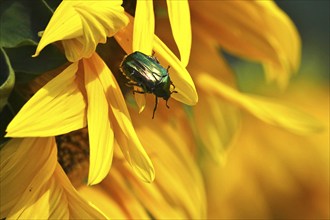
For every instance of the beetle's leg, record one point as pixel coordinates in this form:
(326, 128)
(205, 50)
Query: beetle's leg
(173, 91)
(137, 91)
(172, 84)
(168, 68)
(167, 104)
(156, 102)
(155, 58)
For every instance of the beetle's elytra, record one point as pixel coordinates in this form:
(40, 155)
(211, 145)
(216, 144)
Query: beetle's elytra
(146, 72)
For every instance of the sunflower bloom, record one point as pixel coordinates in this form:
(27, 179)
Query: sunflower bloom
(97, 82)
(41, 189)
(85, 26)
(107, 142)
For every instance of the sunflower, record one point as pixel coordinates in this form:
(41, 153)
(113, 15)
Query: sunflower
(85, 93)
(88, 94)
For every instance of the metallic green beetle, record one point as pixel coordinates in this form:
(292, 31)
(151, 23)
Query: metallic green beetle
(146, 72)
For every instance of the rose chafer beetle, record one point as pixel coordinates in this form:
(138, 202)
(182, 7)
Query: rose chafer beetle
(146, 72)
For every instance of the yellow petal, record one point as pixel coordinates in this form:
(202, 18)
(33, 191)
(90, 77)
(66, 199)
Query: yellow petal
(38, 188)
(64, 24)
(26, 165)
(124, 37)
(284, 31)
(178, 73)
(101, 135)
(101, 199)
(217, 123)
(57, 108)
(115, 185)
(77, 207)
(57, 199)
(283, 116)
(179, 16)
(265, 109)
(99, 21)
(144, 27)
(140, 100)
(267, 36)
(153, 199)
(129, 142)
(82, 25)
(175, 167)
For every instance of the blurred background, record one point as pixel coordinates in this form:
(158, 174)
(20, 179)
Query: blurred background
(270, 173)
(312, 21)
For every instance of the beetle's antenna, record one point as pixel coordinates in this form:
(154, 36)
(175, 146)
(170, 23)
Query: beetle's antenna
(168, 68)
(156, 102)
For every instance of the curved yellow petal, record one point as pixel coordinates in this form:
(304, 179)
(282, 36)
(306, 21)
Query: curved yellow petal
(50, 203)
(38, 189)
(181, 78)
(64, 24)
(217, 123)
(57, 108)
(129, 142)
(22, 175)
(175, 167)
(140, 100)
(179, 15)
(73, 48)
(101, 135)
(82, 25)
(124, 37)
(265, 109)
(283, 116)
(284, 32)
(99, 21)
(144, 27)
(77, 207)
(125, 133)
(98, 196)
(277, 46)
(115, 185)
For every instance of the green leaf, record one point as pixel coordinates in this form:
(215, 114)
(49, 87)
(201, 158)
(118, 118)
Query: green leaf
(27, 67)
(7, 78)
(21, 21)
